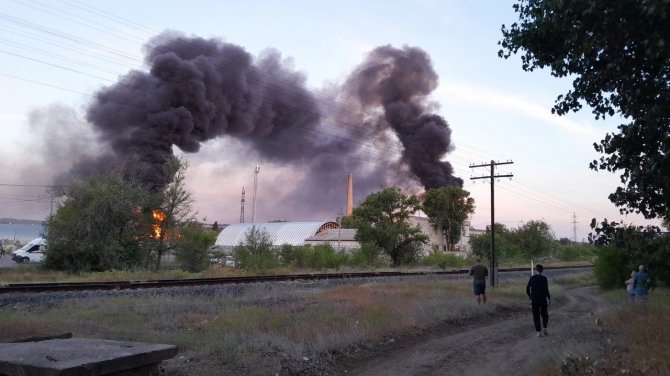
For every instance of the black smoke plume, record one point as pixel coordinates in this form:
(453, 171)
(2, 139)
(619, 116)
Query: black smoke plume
(399, 80)
(200, 89)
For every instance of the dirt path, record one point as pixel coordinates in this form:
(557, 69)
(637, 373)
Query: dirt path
(507, 346)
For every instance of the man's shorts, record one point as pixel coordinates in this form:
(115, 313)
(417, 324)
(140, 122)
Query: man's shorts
(480, 288)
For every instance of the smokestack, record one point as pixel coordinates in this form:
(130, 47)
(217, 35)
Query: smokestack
(350, 196)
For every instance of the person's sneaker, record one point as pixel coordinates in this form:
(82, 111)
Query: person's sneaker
(539, 334)
(544, 332)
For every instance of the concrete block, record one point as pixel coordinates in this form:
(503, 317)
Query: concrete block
(82, 357)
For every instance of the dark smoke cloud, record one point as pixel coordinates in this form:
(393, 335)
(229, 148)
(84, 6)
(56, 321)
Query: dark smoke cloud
(199, 89)
(399, 80)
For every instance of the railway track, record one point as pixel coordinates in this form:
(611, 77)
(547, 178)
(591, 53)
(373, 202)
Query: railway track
(162, 283)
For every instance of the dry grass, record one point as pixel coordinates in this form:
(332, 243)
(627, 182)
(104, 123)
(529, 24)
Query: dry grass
(635, 340)
(643, 329)
(270, 324)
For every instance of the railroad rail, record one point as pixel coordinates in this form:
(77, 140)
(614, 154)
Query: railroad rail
(161, 283)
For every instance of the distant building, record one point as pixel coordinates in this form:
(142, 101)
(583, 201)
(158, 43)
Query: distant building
(315, 233)
(437, 241)
(344, 239)
(291, 233)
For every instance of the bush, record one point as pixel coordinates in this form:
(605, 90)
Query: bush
(255, 254)
(577, 252)
(96, 227)
(367, 255)
(294, 256)
(191, 247)
(444, 260)
(322, 256)
(612, 267)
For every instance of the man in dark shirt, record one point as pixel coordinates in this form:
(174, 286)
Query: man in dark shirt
(479, 273)
(538, 292)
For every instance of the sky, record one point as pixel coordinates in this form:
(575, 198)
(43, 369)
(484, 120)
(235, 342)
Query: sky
(56, 55)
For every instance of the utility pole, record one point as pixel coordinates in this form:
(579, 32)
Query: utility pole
(339, 229)
(253, 202)
(242, 207)
(492, 176)
(574, 227)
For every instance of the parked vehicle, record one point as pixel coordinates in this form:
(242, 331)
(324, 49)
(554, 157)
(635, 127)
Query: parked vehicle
(31, 252)
(219, 256)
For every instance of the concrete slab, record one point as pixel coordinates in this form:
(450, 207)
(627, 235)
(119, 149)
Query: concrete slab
(82, 357)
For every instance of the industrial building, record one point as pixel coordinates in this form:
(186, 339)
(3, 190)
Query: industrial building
(280, 233)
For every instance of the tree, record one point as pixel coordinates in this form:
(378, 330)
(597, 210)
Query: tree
(215, 226)
(173, 211)
(506, 249)
(347, 221)
(255, 253)
(619, 54)
(192, 245)
(383, 219)
(99, 226)
(448, 208)
(534, 238)
(622, 248)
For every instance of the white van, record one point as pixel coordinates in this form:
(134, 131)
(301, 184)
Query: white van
(31, 252)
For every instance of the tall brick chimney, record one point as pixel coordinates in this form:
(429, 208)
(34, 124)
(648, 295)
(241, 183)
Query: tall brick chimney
(350, 196)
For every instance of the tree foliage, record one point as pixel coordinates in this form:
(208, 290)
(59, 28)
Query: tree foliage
(532, 240)
(383, 219)
(191, 247)
(623, 248)
(175, 204)
(534, 237)
(99, 226)
(619, 55)
(112, 221)
(448, 208)
(255, 253)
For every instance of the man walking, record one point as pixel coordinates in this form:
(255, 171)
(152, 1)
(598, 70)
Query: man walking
(479, 273)
(538, 292)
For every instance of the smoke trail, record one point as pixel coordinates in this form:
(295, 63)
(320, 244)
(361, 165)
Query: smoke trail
(399, 80)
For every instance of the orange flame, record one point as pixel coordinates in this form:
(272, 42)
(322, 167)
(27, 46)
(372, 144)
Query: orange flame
(159, 216)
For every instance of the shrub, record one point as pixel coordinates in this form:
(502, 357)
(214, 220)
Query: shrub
(255, 254)
(367, 255)
(294, 256)
(444, 260)
(612, 267)
(191, 247)
(323, 256)
(580, 252)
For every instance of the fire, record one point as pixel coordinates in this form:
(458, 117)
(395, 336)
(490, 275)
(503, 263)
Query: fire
(159, 216)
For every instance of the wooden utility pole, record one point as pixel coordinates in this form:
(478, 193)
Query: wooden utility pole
(492, 176)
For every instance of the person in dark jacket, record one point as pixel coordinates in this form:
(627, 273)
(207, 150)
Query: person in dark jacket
(538, 292)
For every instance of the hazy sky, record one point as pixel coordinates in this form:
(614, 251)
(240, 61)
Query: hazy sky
(57, 54)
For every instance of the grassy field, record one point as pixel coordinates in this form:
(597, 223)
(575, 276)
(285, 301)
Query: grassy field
(635, 339)
(268, 327)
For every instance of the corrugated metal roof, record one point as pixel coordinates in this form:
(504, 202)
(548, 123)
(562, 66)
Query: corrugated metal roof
(293, 233)
(345, 234)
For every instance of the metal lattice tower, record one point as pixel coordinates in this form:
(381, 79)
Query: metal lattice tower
(242, 207)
